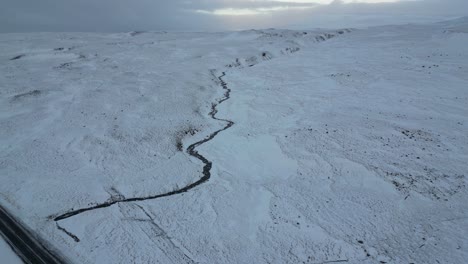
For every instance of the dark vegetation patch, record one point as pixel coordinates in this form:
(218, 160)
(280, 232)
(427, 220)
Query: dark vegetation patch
(18, 57)
(179, 144)
(135, 33)
(32, 93)
(431, 182)
(267, 55)
(181, 134)
(235, 64)
(340, 75)
(64, 65)
(291, 50)
(417, 134)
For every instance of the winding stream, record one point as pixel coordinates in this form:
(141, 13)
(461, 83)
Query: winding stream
(191, 150)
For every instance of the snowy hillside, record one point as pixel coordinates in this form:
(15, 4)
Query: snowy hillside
(7, 254)
(261, 146)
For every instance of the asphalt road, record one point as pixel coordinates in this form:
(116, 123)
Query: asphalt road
(24, 243)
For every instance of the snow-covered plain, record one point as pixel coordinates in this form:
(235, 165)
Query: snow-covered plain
(7, 255)
(348, 145)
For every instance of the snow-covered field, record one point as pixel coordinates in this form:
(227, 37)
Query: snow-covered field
(7, 255)
(347, 145)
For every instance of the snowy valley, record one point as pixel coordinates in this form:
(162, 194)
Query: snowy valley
(259, 146)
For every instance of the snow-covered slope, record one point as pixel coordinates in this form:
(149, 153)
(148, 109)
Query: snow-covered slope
(347, 145)
(7, 255)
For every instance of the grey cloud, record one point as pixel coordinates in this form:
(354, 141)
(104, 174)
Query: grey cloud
(213, 4)
(179, 15)
(101, 15)
(359, 14)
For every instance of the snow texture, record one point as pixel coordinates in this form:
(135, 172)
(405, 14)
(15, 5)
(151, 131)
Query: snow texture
(347, 145)
(7, 255)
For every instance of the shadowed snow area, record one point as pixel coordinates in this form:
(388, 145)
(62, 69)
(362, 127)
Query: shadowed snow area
(347, 145)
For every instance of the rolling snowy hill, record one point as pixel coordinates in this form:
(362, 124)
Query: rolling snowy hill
(261, 146)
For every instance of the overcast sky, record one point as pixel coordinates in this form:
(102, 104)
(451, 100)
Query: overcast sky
(217, 15)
